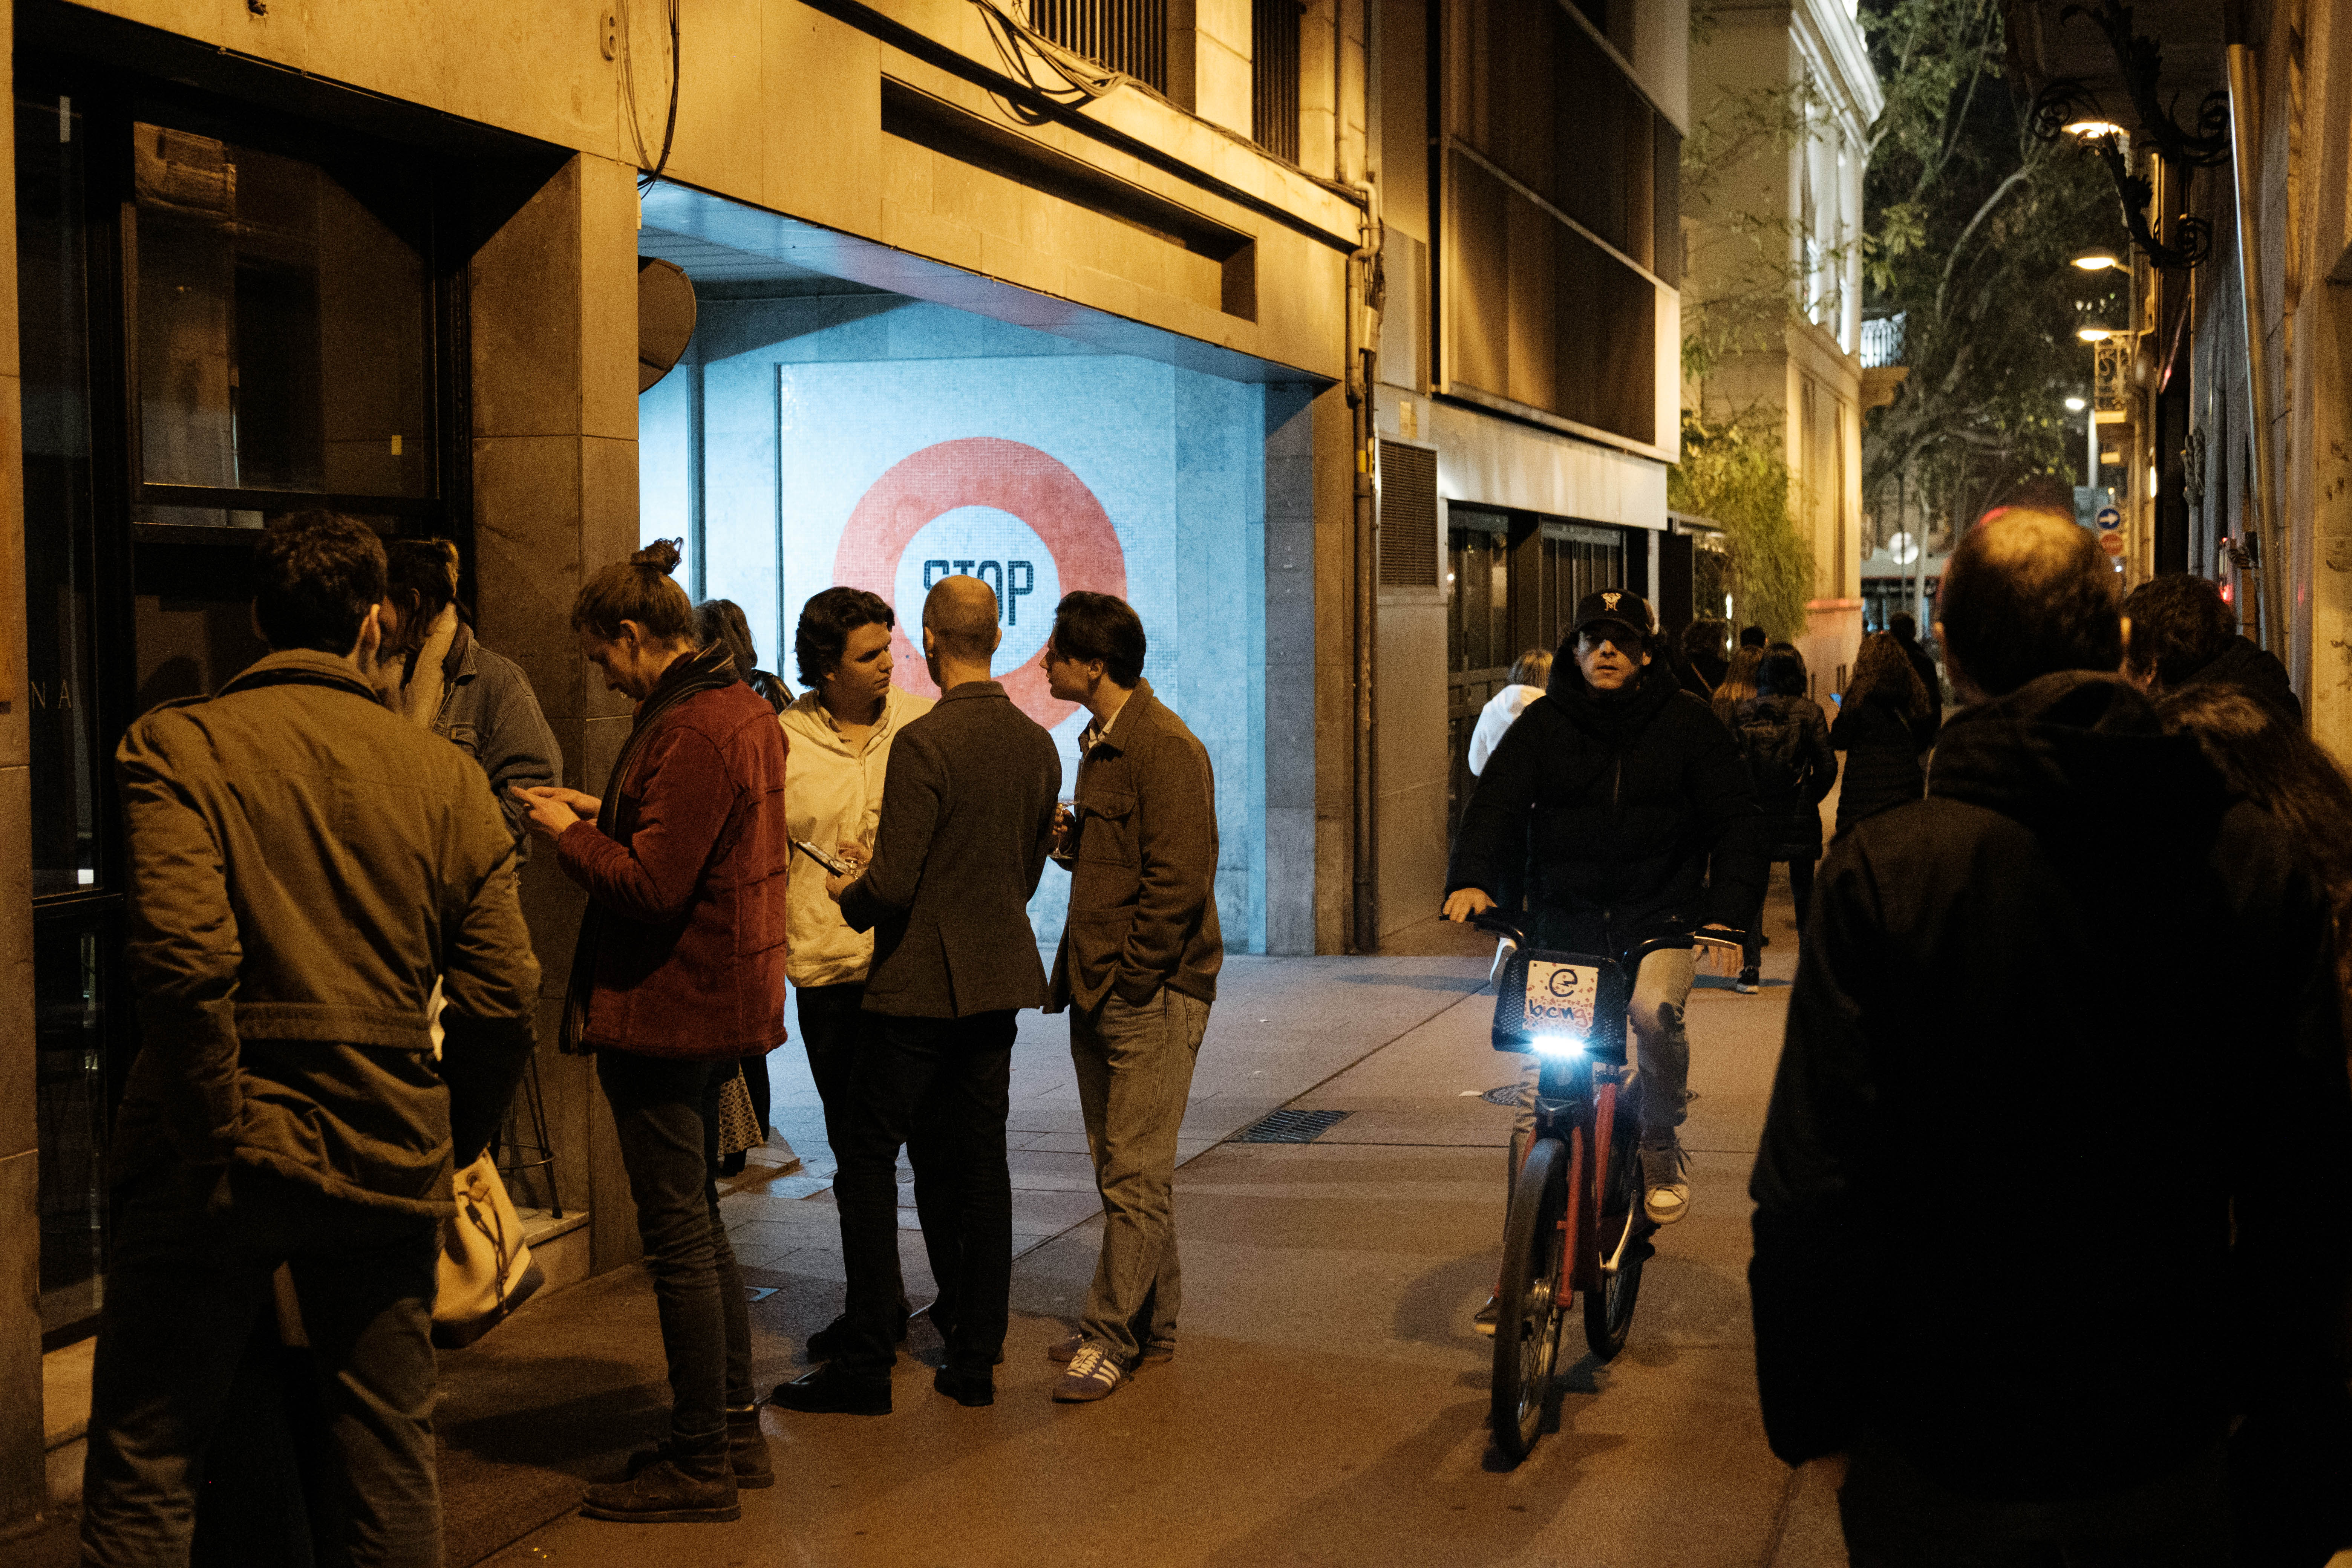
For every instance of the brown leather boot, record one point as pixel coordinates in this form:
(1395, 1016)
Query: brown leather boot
(682, 1486)
(747, 1446)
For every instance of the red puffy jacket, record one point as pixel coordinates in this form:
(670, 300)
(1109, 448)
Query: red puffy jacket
(690, 956)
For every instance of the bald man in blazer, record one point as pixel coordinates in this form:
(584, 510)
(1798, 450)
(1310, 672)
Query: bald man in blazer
(967, 823)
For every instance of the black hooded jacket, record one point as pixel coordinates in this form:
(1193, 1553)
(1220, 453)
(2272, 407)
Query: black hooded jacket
(1616, 804)
(2056, 1028)
(2254, 670)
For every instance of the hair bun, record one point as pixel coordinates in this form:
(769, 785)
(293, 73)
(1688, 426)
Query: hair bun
(661, 554)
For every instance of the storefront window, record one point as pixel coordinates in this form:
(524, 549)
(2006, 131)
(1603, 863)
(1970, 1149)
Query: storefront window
(51, 290)
(283, 321)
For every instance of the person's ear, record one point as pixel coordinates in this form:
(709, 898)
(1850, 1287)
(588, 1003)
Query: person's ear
(370, 637)
(931, 643)
(995, 637)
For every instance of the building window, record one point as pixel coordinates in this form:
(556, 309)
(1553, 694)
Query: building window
(1562, 220)
(1274, 77)
(1128, 35)
(283, 310)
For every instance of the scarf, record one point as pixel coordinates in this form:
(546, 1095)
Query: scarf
(710, 670)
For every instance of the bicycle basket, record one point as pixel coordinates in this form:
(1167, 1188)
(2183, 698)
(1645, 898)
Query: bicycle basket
(1561, 995)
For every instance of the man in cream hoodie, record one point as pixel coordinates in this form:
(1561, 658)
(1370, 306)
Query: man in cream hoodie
(839, 732)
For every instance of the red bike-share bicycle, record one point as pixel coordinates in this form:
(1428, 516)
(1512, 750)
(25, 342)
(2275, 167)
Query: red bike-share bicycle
(1575, 1225)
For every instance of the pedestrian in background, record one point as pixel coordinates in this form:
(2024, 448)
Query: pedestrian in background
(1738, 684)
(722, 621)
(2289, 1460)
(1883, 723)
(1785, 741)
(2197, 1136)
(967, 821)
(841, 729)
(434, 672)
(2180, 634)
(304, 865)
(1704, 648)
(1529, 672)
(1137, 972)
(1904, 627)
(679, 975)
(1752, 637)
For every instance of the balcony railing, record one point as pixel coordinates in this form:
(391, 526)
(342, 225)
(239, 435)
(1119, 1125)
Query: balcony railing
(1882, 342)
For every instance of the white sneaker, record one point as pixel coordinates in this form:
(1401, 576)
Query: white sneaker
(1665, 1190)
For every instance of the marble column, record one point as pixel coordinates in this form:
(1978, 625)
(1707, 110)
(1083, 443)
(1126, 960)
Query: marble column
(554, 326)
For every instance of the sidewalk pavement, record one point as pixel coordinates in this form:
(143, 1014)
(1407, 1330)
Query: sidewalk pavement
(1328, 1403)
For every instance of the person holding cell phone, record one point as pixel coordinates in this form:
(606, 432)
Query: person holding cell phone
(840, 730)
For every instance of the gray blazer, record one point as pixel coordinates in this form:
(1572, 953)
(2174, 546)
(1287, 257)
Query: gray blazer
(966, 820)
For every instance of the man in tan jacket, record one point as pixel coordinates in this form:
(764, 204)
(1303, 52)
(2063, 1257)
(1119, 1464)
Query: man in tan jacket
(1137, 970)
(304, 865)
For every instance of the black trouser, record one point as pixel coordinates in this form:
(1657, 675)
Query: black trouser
(666, 1115)
(189, 1275)
(945, 1084)
(832, 1022)
(1801, 884)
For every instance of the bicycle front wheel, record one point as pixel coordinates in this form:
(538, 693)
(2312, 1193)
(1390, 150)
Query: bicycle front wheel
(1526, 1327)
(1622, 1237)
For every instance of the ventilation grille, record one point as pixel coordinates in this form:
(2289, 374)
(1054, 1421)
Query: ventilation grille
(1290, 1127)
(1129, 35)
(1408, 517)
(1274, 71)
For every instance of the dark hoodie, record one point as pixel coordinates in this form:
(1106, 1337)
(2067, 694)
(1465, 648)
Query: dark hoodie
(2255, 671)
(2050, 1025)
(1616, 804)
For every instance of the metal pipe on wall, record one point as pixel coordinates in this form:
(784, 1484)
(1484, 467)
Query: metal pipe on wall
(1363, 328)
(2245, 153)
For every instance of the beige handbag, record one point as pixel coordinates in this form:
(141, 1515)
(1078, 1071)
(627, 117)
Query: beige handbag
(486, 1271)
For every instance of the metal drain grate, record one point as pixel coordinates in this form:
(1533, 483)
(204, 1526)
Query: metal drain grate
(1290, 1127)
(1507, 1095)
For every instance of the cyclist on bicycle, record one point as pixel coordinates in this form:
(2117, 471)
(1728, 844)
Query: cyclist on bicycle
(1626, 801)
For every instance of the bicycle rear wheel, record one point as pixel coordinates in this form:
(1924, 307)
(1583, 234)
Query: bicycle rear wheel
(1526, 1327)
(1609, 1311)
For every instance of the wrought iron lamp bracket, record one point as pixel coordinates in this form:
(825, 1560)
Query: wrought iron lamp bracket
(2068, 99)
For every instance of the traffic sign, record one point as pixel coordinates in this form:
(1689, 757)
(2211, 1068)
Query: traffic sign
(2113, 543)
(2110, 518)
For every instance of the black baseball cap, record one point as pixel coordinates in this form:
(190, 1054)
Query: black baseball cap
(1627, 612)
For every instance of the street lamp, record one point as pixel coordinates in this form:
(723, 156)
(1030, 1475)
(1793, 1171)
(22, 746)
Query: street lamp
(2092, 129)
(2098, 260)
(2092, 334)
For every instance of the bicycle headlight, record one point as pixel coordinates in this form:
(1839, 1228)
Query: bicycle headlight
(1556, 1045)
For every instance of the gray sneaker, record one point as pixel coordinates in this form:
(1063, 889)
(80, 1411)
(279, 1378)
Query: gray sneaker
(1093, 1375)
(1666, 1184)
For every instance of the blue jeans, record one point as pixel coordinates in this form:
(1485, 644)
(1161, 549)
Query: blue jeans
(193, 1259)
(666, 1113)
(1135, 1072)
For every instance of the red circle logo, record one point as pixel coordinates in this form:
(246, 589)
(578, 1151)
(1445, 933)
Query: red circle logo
(980, 470)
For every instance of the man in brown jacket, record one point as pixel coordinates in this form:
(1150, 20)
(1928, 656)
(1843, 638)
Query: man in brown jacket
(304, 865)
(1137, 969)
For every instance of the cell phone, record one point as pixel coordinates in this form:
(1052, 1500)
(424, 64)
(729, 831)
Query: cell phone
(830, 862)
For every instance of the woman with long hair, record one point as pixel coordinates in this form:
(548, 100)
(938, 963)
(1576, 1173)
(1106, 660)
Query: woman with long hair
(1884, 723)
(1738, 685)
(723, 621)
(679, 975)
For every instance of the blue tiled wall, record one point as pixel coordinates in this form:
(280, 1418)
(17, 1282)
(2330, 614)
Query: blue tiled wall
(807, 401)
